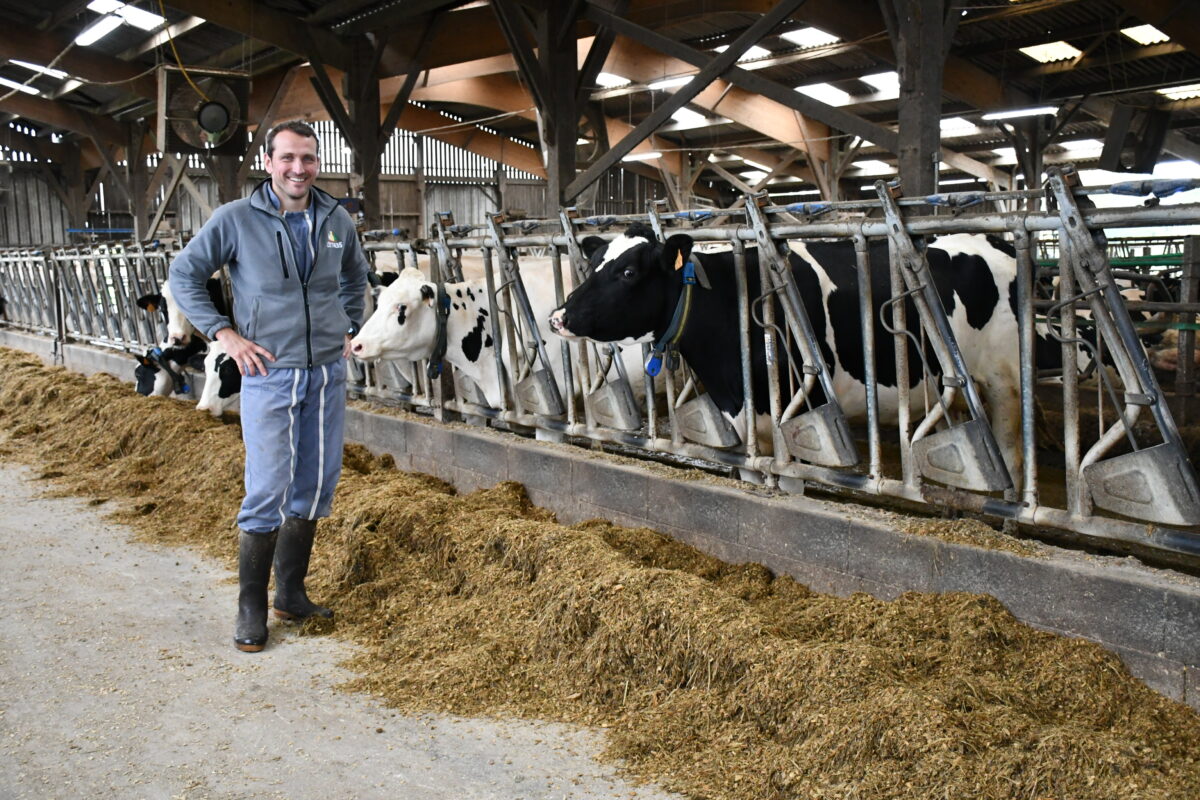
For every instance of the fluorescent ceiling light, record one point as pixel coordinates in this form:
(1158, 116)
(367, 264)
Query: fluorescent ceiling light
(646, 155)
(872, 166)
(20, 87)
(98, 30)
(686, 118)
(958, 126)
(1054, 51)
(1021, 112)
(1181, 92)
(53, 73)
(139, 18)
(611, 81)
(1146, 35)
(886, 82)
(581, 140)
(827, 94)
(809, 37)
(669, 83)
(957, 181)
(755, 164)
(752, 175)
(752, 52)
(134, 16)
(797, 193)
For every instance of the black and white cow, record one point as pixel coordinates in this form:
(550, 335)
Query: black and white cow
(634, 286)
(404, 327)
(222, 382)
(183, 349)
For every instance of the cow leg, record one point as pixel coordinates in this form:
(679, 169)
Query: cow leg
(1004, 410)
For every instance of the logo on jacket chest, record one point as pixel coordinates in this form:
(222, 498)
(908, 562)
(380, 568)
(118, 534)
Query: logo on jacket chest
(332, 241)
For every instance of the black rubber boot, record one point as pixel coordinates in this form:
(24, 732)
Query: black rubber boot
(254, 570)
(291, 568)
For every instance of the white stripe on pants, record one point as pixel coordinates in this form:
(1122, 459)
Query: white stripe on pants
(292, 426)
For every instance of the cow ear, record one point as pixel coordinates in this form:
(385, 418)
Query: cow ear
(150, 302)
(591, 244)
(676, 251)
(427, 293)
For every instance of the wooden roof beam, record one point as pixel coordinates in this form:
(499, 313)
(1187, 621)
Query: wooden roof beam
(64, 117)
(29, 44)
(259, 21)
(505, 93)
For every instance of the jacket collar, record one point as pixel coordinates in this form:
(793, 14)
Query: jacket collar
(323, 202)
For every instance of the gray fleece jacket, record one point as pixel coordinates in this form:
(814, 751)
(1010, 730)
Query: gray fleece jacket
(303, 324)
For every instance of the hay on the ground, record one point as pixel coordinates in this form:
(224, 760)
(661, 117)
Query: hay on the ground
(715, 680)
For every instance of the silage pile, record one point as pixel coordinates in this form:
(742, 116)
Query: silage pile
(714, 680)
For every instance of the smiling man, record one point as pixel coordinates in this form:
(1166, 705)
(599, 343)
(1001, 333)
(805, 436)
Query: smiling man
(299, 279)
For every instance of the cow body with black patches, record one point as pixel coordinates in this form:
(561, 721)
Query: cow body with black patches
(633, 288)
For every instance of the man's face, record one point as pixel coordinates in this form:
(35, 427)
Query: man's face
(293, 167)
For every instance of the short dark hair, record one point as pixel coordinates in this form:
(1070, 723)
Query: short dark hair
(296, 126)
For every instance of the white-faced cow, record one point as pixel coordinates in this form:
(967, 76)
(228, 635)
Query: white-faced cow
(404, 327)
(633, 288)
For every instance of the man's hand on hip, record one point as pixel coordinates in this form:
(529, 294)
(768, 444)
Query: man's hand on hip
(248, 355)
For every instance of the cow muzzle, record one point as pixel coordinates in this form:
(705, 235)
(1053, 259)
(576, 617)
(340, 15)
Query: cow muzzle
(558, 323)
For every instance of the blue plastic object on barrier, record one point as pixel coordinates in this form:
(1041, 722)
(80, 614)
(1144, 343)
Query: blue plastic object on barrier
(694, 216)
(808, 209)
(1163, 187)
(955, 200)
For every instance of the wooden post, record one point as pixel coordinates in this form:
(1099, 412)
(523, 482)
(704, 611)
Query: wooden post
(558, 60)
(921, 31)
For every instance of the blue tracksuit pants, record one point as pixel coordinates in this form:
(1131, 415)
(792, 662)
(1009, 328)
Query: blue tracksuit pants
(292, 426)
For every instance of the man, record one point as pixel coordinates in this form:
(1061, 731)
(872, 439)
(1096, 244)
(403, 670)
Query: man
(299, 278)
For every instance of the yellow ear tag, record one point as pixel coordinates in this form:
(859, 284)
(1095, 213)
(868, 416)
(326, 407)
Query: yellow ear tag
(152, 308)
(679, 261)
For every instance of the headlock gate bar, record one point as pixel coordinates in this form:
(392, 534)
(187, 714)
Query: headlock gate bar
(1124, 473)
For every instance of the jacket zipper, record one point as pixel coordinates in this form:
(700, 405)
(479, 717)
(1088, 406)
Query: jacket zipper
(307, 321)
(282, 258)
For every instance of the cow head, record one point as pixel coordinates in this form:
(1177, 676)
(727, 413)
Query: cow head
(404, 325)
(179, 330)
(222, 382)
(630, 289)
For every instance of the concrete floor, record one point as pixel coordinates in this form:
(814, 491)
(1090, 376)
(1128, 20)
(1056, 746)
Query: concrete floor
(118, 679)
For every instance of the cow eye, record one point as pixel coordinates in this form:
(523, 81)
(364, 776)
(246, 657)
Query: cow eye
(628, 272)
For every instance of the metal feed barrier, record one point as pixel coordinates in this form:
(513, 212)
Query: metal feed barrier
(86, 294)
(941, 454)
